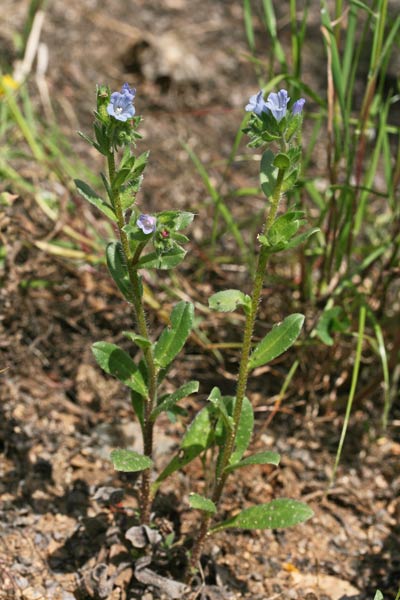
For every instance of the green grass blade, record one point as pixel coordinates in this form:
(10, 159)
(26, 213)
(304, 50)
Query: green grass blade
(332, 47)
(220, 207)
(248, 24)
(270, 24)
(354, 381)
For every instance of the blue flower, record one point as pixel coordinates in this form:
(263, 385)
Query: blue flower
(256, 104)
(277, 104)
(147, 223)
(126, 88)
(121, 105)
(297, 107)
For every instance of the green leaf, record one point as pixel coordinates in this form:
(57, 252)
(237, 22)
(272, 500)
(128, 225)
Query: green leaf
(268, 173)
(219, 402)
(175, 220)
(116, 265)
(290, 180)
(173, 338)
(285, 226)
(137, 339)
(197, 438)
(244, 431)
(115, 361)
(171, 399)
(167, 260)
(277, 341)
(130, 461)
(299, 239)
(245, 427)
(137, 402)
(91, 196)
(332, 320)
(282, 161)
(378, 595)
(200, 503)
(229, 301)
(261, 458)
(276, 514)
(120, 177)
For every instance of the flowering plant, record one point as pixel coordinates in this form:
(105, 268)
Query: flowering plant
(154, 241)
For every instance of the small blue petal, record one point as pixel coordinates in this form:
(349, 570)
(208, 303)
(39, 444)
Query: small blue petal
(277, 104)
(147, 223)
(127, 89)
(256, 104)
(297, 107)
(121, 104)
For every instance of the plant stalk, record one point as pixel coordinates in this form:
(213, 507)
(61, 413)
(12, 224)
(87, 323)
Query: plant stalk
(242, 376)
(148, 353)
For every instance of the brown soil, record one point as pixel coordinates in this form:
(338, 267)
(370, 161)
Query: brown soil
(60, 416)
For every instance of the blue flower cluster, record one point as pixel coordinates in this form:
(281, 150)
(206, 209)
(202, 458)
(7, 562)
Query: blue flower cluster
(276, 104)
(121, 105)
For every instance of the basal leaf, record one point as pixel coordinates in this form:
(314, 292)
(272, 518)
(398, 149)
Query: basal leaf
(174, 337)
(277, 341)
(91, 196)
(276, 514)
(129, 461)
(261, 458)
(200, 503)
(229, 300)
(115, 361)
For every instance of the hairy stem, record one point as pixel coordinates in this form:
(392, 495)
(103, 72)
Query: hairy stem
(242, 376)
(140, 317)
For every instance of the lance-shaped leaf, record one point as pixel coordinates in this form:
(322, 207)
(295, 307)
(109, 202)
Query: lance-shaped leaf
(197, 438)
(277, 341)
(200, 503)
(129, 461)
(137, 339)
(91, 196)
(261, 458)
(174, 337)
(220, 404)
(244, 431)
(268, 173)
(229, 301)
(245, 427)
(277, 514)
(118, 269)
(138, 406)
(171, 399)
(300, 239)
(115, 361)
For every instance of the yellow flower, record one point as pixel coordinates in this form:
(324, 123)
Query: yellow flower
(7, 83)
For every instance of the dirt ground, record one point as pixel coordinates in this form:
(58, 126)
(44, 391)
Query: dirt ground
(60, 416)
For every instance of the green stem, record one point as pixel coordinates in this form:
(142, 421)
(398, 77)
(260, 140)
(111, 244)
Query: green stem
(148, 352)
(242, 376)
